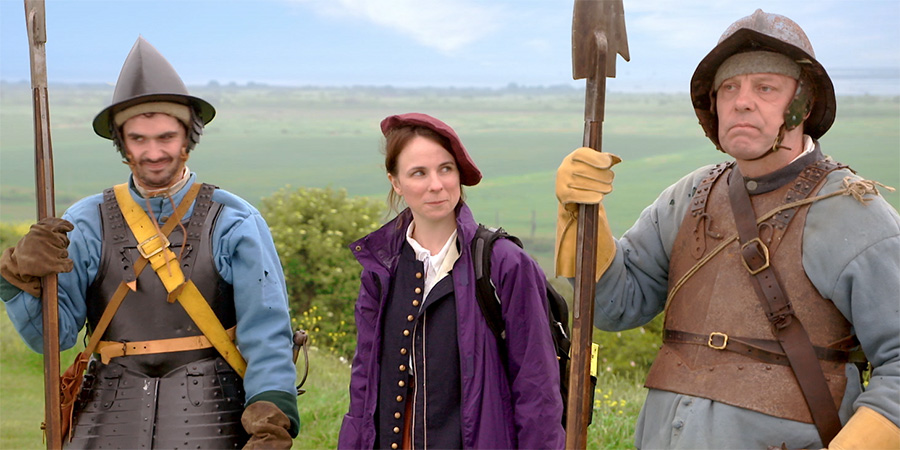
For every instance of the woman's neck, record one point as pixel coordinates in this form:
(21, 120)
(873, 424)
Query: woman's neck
(433, 235)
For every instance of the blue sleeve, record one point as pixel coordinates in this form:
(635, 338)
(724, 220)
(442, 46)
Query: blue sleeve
(24, 310)
(246, 258)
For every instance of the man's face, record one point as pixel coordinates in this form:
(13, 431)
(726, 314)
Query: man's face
(751, 111)
(155, 145)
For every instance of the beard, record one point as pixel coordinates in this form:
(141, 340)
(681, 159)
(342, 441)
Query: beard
(160, 173)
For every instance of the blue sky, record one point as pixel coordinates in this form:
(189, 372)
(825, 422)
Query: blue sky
(410, 43)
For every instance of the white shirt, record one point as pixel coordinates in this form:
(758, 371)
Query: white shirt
(436, 266)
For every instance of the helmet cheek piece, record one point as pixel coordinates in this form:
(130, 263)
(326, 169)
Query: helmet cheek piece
(799, 107)
(194, 131)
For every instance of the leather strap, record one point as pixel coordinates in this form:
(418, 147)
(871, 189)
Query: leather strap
(114, 349)
(764, 350)
(786, 327)
(155, 248)
(123, 288)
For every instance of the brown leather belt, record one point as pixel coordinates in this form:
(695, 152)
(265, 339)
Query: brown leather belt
(114, 349)
(760, 349)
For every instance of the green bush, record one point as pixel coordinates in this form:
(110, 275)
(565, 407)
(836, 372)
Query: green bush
(312, 228)
(628, 353)
(10, 233)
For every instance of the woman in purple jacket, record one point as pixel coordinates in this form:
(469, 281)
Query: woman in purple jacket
(427, 371)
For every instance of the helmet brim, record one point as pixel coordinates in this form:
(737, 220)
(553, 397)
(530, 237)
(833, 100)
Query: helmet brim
(824, 107)
(204, 110)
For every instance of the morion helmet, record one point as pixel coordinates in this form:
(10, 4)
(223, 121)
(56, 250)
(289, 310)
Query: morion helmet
(148, 78)
(767, 32)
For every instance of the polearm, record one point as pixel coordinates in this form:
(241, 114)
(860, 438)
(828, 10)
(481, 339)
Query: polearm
(598, 34)
(35, 20)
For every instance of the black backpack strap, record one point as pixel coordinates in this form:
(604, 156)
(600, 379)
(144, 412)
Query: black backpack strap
(485, 292)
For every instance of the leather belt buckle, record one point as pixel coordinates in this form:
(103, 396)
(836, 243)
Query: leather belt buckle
(756, 253)
(164, 244)
(712, 338)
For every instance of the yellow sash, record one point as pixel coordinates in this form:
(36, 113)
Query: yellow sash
(155, 248)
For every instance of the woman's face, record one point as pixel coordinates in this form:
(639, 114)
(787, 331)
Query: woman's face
(428, 180)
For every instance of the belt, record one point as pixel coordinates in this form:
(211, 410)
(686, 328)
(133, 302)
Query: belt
(113, 349)
(760, 349)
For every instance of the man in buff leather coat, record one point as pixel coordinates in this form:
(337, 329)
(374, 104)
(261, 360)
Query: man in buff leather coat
(720, 379)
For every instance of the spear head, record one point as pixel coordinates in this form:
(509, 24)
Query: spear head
(591, 19)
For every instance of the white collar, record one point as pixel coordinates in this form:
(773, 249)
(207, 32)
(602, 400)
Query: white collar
(423, 254)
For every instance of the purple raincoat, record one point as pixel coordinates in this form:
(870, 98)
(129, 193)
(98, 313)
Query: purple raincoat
(523, 410)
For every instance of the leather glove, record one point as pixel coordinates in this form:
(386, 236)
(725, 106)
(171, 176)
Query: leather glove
(867, 429)
(268, 426)
(41, 252)
(585, 176)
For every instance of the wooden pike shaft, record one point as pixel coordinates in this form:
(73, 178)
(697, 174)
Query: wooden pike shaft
(580, 396)
(43, 167)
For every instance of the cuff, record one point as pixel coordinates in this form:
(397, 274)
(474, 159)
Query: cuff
(867, 429)
(286, 402)
(8, 290)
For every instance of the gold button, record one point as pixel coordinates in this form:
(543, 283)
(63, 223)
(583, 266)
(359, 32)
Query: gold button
(410, 318)
(402, 368)
(415, 303)
(396, 430)
(418, 290)
(418, 274)
(402, 351)
(397, 415)
(395, 446)
(406, 332)
(401, 383)
(399, 398)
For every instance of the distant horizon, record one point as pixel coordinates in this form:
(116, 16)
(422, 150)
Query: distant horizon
(424, 43)
(886, 85)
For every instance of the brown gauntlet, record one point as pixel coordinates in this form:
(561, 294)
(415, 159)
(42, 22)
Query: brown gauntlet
(41, 252)
(267, 425)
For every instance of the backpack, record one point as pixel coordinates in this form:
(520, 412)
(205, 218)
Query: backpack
(557, 308)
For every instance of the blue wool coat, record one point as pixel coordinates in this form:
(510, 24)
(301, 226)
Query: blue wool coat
(521, 410)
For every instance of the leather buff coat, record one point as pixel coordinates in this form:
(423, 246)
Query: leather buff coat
(521, 410)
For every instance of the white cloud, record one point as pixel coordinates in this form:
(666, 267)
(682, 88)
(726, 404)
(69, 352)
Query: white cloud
(446, 25)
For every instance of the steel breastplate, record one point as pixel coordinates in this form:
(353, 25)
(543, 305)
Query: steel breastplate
(198, 405)
(145, 314)
(720, 299)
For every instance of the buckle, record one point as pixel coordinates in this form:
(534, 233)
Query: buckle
(162, 246)
(765, 253)
(714, 335)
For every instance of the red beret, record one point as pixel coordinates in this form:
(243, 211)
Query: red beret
(469, 175)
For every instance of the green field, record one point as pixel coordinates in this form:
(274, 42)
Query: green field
(265, 138)
(617, 400)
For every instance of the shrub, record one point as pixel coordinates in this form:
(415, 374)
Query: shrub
(312, 228)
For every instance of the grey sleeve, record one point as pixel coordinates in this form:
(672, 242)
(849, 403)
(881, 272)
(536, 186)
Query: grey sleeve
(851, 253)
(633, 290)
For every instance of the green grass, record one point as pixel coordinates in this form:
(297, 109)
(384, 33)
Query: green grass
(265, 138)
(617, 400)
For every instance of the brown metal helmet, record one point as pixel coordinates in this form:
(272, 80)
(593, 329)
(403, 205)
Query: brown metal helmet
(763, 31)
(148, 77)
